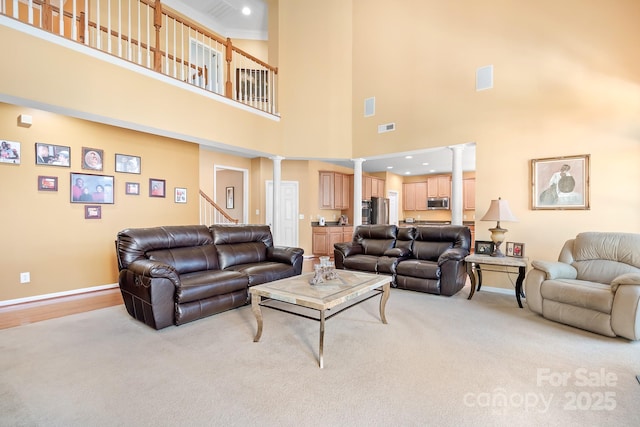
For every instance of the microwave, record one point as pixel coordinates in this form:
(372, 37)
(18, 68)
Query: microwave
(437, 203)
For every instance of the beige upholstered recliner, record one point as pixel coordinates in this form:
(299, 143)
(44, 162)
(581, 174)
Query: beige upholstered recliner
(594, 285)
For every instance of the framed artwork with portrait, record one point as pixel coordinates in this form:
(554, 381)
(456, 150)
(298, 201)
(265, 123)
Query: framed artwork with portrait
(132, 188)
(92, 158)
(10, 152)
(560, 182)
(157, 187)
(53, 155)
(128, 164)
(47, 183)
(180, 195)
(86, 188)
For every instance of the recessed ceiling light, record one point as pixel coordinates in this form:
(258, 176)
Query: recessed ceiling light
(246, 11)
(425, 164)
(432, 170)
(408, 157)
(389, 167)
(407, 173)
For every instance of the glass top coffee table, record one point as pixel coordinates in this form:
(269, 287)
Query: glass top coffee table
(328, 298)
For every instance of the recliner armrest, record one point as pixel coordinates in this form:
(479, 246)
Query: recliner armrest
(397, 252)
(348, 248)
(452, 254)
(284, 254)
(149, 268)
(625, 279)
(555, 269)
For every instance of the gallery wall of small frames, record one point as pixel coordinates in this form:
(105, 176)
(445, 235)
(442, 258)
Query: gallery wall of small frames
(92, 189)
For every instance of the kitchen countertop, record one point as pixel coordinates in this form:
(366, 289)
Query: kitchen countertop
(329, 224)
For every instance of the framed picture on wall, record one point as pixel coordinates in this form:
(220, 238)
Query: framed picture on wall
(86, 188)
(92, 158)
(10, 152)
(128, 164)
(92, 212)
(560, 182)
(53, 155)
(157, 187)
(180, 195)
(230, 191)
(132, 188)
(47, 183)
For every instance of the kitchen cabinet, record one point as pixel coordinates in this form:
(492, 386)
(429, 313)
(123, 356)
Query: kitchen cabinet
(469, 193)
(334, 191)
(324, 238)
(372, 187)
(439, 186)
(414, 196)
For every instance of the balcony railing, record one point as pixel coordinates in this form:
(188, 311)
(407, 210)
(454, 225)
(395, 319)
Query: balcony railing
(155, 37)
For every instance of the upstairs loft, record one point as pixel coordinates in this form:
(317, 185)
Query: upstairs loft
(149, 35)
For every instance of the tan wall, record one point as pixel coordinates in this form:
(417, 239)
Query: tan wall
(46, 235)
(566, 82)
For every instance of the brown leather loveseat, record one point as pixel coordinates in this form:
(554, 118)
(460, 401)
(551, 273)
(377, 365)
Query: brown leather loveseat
(422, 258)
(176, 274)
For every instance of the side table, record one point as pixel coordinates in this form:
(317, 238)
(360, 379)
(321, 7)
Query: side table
(475, 261)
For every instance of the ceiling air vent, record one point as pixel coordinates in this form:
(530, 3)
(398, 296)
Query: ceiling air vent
(389, 127)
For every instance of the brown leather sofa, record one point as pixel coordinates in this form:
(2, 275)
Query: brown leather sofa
(176, 274)
(422, 258)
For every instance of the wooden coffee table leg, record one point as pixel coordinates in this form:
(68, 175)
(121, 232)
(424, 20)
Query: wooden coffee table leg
(383, 301)
(255, 307)
(321, 338)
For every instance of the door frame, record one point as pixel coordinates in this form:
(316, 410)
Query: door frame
(245, 188)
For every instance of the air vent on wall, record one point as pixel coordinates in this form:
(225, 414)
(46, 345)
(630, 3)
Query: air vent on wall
(389, 127)
(484, 78)
(370, 106)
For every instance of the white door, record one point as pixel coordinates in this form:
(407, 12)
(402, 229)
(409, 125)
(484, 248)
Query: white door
(393, 207)
(203, 56)
(288, 233)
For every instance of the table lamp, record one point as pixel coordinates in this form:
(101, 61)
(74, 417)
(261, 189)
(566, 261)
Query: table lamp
(498, 211)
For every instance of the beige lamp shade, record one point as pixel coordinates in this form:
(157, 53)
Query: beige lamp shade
(498, 211)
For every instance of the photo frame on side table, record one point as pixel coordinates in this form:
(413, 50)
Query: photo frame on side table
(515, 249)
(483, 247)
(86, 188)
(157, 187)
(560, 182)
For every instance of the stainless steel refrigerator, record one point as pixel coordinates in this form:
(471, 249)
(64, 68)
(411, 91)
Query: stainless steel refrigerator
(379, 210)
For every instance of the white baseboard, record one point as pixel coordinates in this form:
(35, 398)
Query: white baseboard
(57, 294)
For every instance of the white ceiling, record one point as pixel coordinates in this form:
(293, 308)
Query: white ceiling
(226, 18)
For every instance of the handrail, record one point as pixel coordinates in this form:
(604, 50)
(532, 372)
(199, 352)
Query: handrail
(218, 208)
(160, 40)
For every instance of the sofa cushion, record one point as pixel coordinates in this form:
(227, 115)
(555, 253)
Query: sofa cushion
(429, 251)
(241, 253)
(362, 262)
(620, 247)
(204, 284)
(189, 259)
(264, 272)
(419, 268)
(601, 270)
(579, 293)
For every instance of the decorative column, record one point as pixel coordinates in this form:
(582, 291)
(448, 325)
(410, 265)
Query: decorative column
(357, 191)
(456, 185)
(276, 227)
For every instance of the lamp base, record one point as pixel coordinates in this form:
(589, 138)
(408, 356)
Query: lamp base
(497, 236)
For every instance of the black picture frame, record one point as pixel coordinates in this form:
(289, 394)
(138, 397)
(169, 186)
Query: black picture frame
(47, 183)
(483, 247)
(132, 188)
(126, 163)
(92, 158)
(92, 188)
(53, 155)
(92, 212)
(157, 187)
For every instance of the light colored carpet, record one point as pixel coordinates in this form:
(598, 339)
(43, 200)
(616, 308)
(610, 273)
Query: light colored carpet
(440, 362)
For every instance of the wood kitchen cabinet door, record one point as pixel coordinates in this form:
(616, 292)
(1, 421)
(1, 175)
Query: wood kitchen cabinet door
(326, 190)
(409, 197)
(469, 192)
